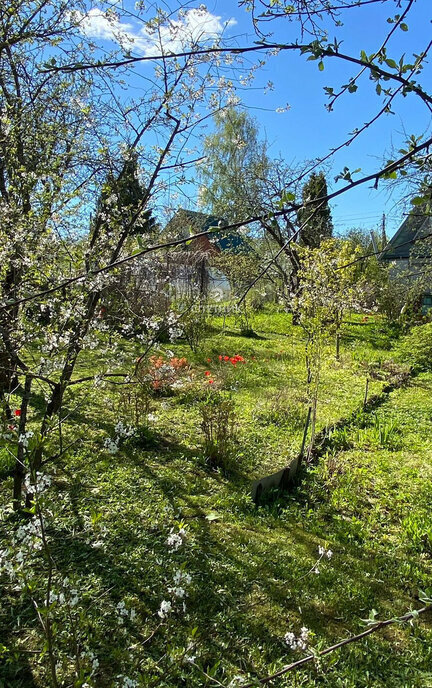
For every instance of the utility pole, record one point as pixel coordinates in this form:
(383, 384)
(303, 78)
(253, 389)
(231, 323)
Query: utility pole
(383, 231)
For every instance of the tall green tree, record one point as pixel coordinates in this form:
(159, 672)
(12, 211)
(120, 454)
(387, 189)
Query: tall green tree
(233, 176)
(316, 218)
(123, 200)
(239, 180)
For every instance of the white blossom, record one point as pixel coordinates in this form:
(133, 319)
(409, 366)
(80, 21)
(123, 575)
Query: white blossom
(298, 643)
(165, 609)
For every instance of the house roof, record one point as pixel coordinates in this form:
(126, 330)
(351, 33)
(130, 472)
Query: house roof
(415, 225)
(187, 222)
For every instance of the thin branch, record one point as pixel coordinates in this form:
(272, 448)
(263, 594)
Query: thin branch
(376, 54)
(310, 658)
(378, 253)
(283, 248)
(319, 51)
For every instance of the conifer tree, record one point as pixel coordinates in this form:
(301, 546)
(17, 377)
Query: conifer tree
(316, 217)
(124, 199)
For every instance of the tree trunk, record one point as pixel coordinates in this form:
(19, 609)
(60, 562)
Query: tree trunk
(19, 470)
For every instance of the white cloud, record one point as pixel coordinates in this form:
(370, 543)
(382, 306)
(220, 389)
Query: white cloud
(192, 27)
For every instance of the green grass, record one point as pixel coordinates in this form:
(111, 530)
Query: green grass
(368, 499)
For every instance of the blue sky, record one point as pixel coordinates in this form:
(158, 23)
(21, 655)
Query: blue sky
(306, 130)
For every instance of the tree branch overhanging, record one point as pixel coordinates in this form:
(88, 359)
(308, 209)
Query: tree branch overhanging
(291, 208)
(410, 616)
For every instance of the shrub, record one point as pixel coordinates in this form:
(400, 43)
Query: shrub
(134, 402)
(218, 423)
(195, 326)
(339, 439)
(416, 348)
(145, 438)
(160, 375)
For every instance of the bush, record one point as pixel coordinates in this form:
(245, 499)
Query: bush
(219, 427)
(416, 348)
(194, 323)
(145, 438)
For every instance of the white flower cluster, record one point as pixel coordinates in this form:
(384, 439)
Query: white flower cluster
(73, 601)
(26, 534)
(300, 643)
(175, 540)
(111, 445)
(283, 109)
(67, 595)
(91, 657)
(122, 432)
(323, 552)
(126, 682)
(24, 438)
(37, 483)
(180, 579)
(178, 592)
(124, 613)
(26, 540)
(165, 609)
(178, 384)
(56, 597)
(55, 341)
(174, 329)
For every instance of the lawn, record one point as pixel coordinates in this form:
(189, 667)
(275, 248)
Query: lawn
(127, 526)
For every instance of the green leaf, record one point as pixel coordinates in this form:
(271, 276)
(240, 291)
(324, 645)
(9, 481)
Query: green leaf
(418, 200)
(378, 89)
(212, 516)
(425, 595)
(372, 619)
(404, 26)
(288, 197)
(391, 63)
(321, 66)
